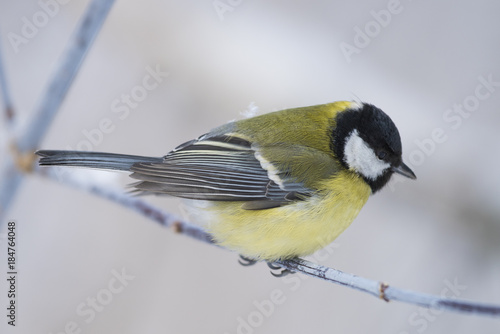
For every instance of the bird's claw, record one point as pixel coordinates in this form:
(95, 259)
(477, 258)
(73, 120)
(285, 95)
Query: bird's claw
(281, 272)
(245, 261)
(276, 270)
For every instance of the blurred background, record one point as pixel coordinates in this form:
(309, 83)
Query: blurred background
(432, 66)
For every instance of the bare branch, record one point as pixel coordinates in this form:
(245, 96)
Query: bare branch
(4, 87)
(79, 45)
(127, 200)
(33, 133)
(378, 289)
(386, 292)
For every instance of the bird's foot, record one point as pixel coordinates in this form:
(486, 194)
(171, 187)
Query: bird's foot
(278, 271)
(245, 261)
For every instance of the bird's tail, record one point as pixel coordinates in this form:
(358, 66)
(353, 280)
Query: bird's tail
(92, 159)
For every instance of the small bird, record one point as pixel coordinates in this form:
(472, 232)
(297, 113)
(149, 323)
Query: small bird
(275, 186)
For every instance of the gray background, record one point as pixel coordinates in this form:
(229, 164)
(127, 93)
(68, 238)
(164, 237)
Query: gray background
(421, 235)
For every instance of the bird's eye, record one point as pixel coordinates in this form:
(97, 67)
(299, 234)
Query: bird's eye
(381, 154)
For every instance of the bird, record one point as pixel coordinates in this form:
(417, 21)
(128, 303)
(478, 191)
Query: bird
(275, 186)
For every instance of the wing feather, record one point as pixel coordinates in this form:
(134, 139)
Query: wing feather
(221, 168)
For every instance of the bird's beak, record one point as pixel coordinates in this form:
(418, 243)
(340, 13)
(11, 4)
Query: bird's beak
(404, 170)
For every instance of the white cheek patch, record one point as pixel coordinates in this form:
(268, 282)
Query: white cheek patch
(360, 157)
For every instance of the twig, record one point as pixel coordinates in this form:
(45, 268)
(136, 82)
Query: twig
(62, 79)
(386, 292)
(127, 200)
(33, 133)
(7, 101)
(375, 288)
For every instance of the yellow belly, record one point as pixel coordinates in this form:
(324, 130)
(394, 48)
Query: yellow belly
(297, 229)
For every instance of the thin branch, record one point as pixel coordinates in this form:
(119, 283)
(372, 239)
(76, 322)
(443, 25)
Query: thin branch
(62, 79)
(127, 200)
(386, 292)
(378, 289)
(23, 157)
(4, 88)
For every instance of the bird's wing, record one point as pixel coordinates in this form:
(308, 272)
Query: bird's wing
(222, 168)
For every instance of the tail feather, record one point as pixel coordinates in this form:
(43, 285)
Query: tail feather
(92, 159)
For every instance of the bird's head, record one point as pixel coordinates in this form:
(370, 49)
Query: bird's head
(367, 142)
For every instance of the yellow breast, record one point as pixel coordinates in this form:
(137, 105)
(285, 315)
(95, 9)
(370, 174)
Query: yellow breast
(297, 229)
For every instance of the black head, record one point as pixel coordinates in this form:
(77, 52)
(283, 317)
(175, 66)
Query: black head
(366, 140)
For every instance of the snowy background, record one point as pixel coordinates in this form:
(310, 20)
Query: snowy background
(432, 66)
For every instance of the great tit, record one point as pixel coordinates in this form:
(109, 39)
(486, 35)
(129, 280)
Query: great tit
(275, 186)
